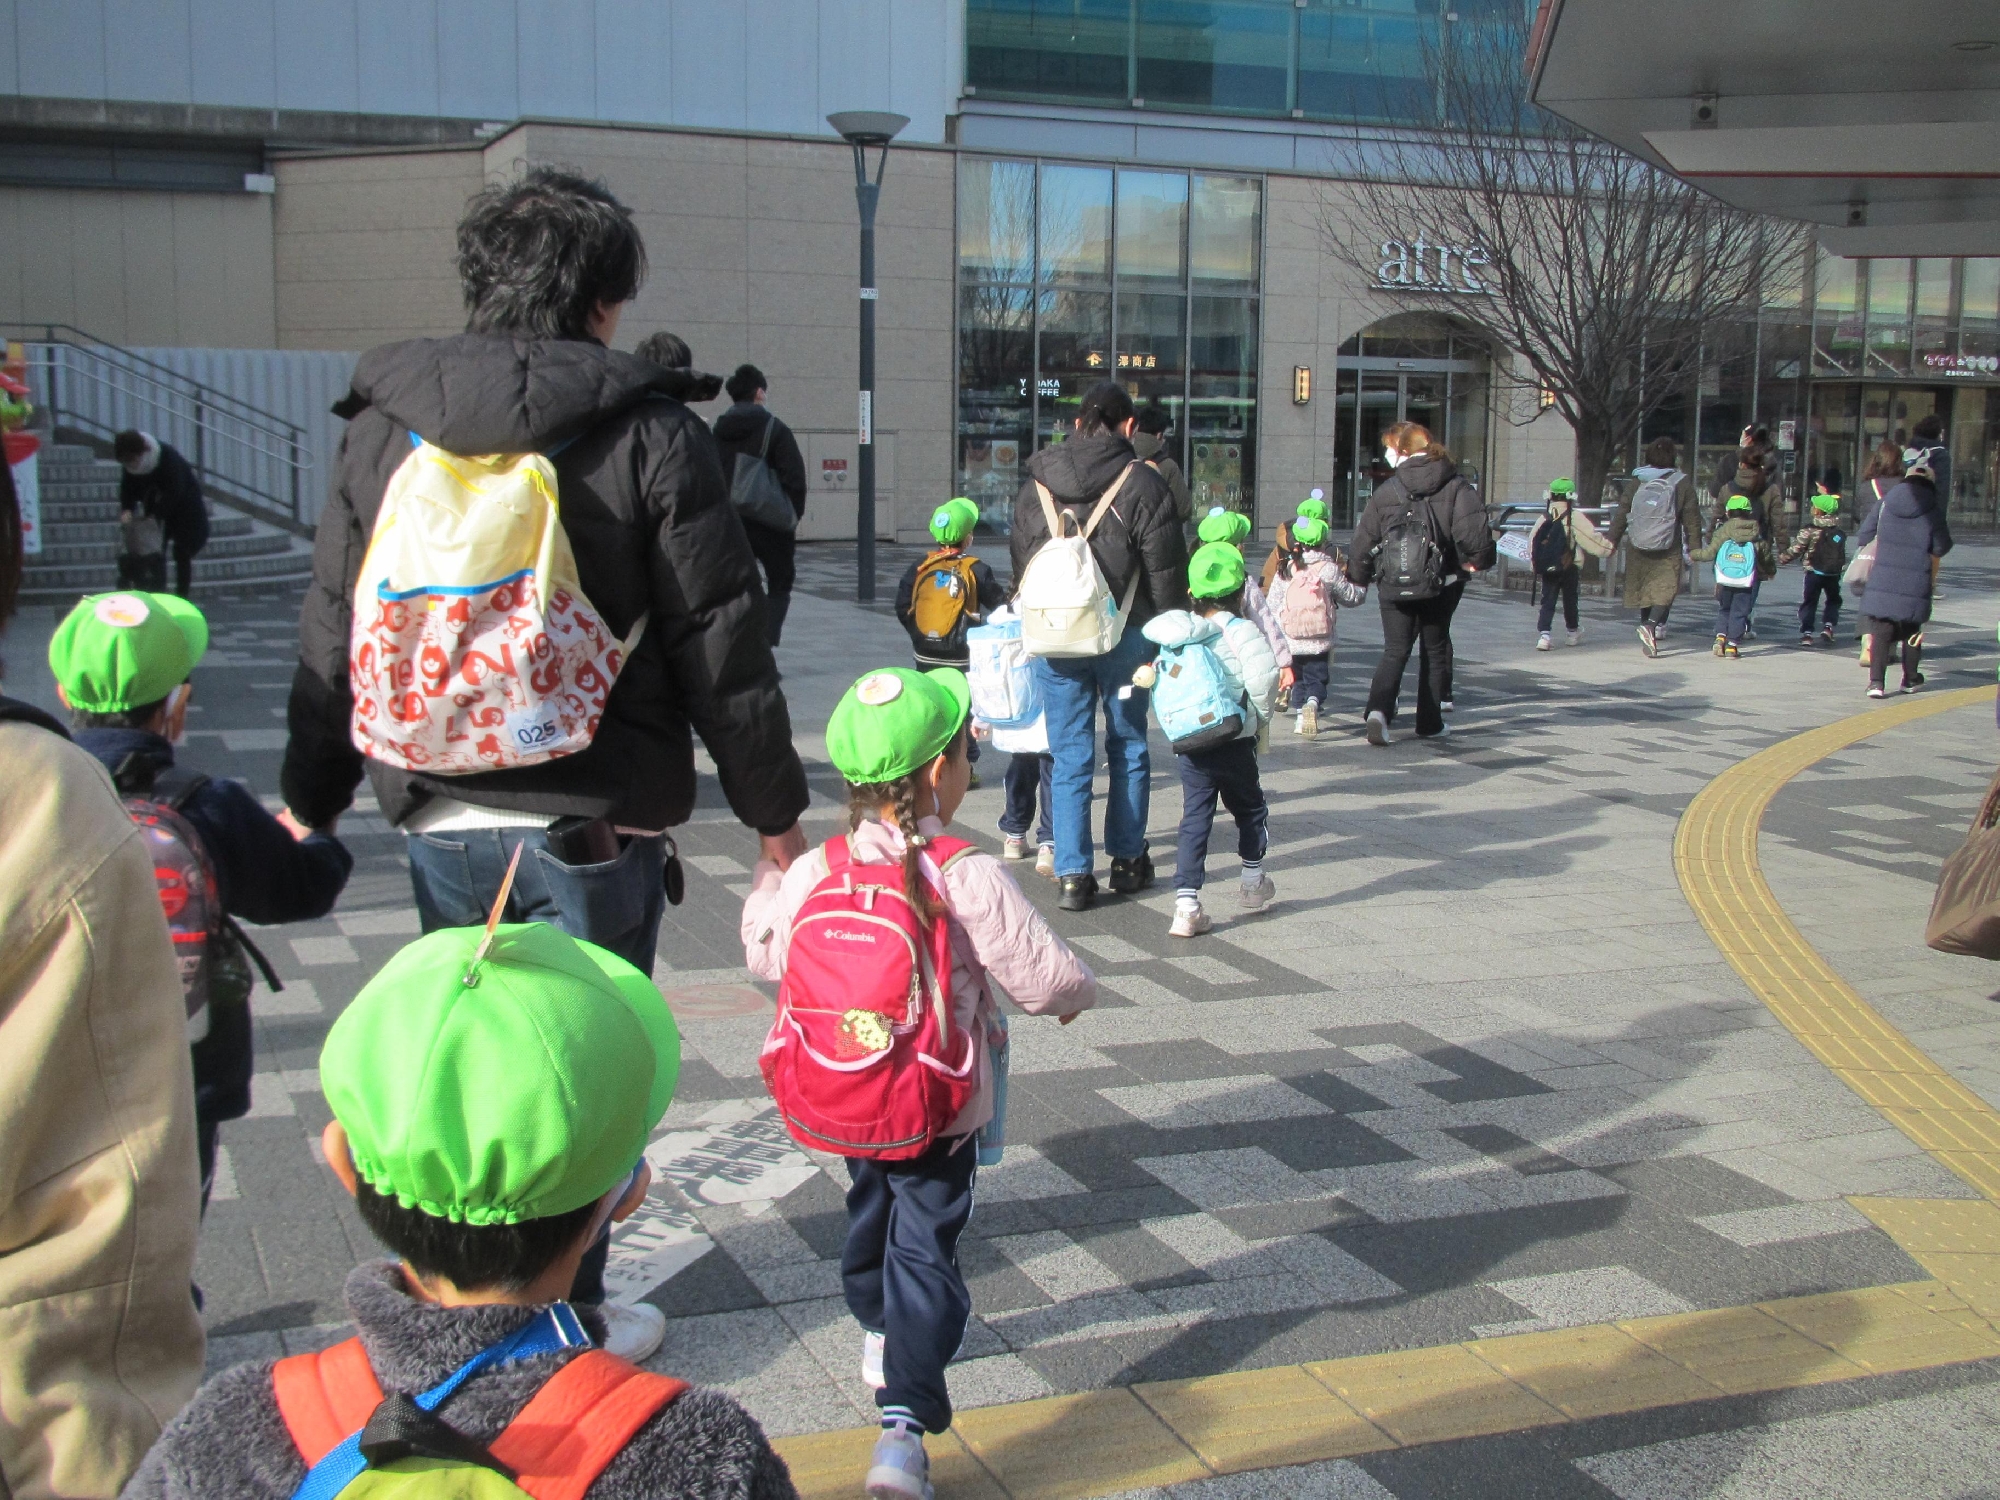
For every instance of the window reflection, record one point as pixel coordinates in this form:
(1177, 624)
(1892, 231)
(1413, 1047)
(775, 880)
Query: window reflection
(1152, 226)
(996, 220)
(1076, 223)
(1888, 316)
(1225, 231)
(1229, 55)
(1061, 49)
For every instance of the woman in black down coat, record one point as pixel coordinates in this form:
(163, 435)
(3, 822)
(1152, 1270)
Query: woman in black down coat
(1909, 532)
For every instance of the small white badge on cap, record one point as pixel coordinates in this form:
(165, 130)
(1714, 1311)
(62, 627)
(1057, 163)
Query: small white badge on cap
(122, 611)
(878, 688)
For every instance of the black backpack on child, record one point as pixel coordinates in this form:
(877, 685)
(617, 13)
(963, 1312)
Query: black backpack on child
(1829, 551)
(1555, 545)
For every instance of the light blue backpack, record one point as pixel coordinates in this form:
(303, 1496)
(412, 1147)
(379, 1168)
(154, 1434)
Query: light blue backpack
(1736, 564)
(1197, 705)
(999, 674)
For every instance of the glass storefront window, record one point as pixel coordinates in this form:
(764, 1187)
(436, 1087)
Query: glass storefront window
(1152, 350)
(1362, 62)
(1888, 317)
(1934, 333)
(1231, 55)
(1075, 347)
(996, 401)
(1222, 403)
(996, 221)
(1980, 331)
(1152, 227)
(1837, 324)
(1076, 224)
(1055, 49)
(1226, 230)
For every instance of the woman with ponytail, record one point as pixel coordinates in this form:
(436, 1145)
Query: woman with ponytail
(899, 739)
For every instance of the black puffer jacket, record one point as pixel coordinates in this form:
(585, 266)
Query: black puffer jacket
(648, 517)
(1141, 533)
(171, 495)
(1458, 518)
(741, 430)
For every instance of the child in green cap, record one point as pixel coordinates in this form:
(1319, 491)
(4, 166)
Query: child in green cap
(1822, 542)
(1733, 549)
(1556, 546)
(1234, 528)
(899, 738)
(946, 591)
(1227, 771)
(123, 665)
(1310, 585)
(491, 1092)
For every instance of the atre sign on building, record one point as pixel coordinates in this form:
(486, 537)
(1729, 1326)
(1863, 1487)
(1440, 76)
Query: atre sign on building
(1420, 266)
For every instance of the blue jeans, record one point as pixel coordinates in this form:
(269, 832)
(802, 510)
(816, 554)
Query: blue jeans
(1027, 783)
(1229, 772)
(1071, 688)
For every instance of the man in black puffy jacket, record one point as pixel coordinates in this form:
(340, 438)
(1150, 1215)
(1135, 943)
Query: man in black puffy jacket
(547, 265)
(740, 432)
(1140, 548)
(1449, 507)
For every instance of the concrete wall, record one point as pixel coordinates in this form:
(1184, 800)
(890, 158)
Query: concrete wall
(137, 267)
(364, 246)
(780, 64)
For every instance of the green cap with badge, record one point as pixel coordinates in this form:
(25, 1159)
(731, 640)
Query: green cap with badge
(1223, 525)
(953, 521)
(1215, 571)
(117, 652)
(1565, 488)
(1308, 531)
(1314, 510)
(494, 1090)
(895, 720)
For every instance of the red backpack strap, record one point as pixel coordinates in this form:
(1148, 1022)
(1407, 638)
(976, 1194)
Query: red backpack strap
(580, 1420)
(947, 851)
(838, 855)
(325, 1397)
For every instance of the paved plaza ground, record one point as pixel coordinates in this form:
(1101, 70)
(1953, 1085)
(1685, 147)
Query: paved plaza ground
(1479, 1071)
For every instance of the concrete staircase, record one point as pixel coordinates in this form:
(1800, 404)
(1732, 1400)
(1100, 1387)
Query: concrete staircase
(80, 537)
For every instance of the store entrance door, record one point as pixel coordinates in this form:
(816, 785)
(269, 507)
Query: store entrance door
(1371, 400)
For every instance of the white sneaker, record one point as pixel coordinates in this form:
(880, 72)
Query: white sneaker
(899, 1468)
(1015, 847)
(871, 1360)
(633, 1333)
(1378, 728)
(1576, 636)
(1256, 897)
(1445, 706)
(1045, 861)
(1543, 641)
(1189, 920)
(1309, 718)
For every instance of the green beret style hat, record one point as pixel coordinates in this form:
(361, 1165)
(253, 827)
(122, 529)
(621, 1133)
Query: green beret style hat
(894, 720)
(121, 651)
(1739, 502)
(1215, 571)
(1562, 486)
(525, 1093)
(953, 521)
(1308, 531)
(1314, 510)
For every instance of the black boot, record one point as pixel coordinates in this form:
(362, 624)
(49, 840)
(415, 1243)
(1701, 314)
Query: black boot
(1078, 891)
(1130, 876)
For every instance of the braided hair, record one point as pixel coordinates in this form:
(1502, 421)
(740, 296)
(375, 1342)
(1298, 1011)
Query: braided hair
(866, 800)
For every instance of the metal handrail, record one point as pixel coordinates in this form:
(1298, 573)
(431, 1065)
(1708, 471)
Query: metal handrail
(255, 459)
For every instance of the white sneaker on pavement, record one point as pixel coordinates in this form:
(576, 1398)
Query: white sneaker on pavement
(1378, 728)
(1445, 706)
(871, 1360)
(1256, 897)
(1189, 920)
(1309, 718)
(1015, 847)
(1544, 641)
(899, 1468)
(1576, 636)
(633, 1333)
(1045, 861)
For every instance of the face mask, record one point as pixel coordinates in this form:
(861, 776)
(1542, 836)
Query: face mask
(1391, 457)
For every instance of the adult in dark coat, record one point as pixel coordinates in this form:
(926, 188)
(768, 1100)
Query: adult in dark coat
(1424, 472)
(158, 482)
(740, 431)
(1140, 546)
(1909, 533)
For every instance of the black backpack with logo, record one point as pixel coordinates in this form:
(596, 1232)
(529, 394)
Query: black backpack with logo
(1409, 563)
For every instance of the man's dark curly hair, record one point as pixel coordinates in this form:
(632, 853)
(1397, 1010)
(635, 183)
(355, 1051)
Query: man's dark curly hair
(537, 256)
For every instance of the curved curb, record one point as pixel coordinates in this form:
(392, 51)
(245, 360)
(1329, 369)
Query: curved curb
(1715, 858)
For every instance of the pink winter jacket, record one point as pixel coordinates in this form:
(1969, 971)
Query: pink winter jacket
(996, 934)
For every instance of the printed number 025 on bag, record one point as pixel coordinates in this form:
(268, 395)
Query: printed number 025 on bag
(473, 645)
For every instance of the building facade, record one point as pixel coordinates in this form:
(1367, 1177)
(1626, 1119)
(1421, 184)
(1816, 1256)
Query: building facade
(1125, 189)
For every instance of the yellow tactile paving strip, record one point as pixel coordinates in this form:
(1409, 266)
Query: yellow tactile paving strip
(1715, 855)
(1165, 1432)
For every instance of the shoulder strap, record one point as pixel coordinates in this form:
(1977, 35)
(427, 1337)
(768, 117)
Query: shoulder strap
(1049, 509)
(581, 1419)
(764, 448)
(948, 851)
(1104, 500)
(326, 1396)
(177, 787)
(838, 855)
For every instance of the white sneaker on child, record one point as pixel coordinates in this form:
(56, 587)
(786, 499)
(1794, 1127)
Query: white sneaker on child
(1576, 636)
(1256, 897)
(1045, 861)
(1189, 920)
(1542, 641)
(633, 1333)
(1016, 847)
(871, 1360)
(1309, 718)
(899, 1468)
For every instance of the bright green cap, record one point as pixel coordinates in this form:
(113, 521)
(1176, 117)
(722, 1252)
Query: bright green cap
(526, 1094)
(1222, 525)
(1739, 502)
(1827, 504)
(1308, 531)
(1314, 510)
(952, 522)
(1215, 570)
(1562, 487)
(122, 651)
(895, 720)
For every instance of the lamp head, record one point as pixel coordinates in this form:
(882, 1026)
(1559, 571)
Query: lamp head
(867, 127)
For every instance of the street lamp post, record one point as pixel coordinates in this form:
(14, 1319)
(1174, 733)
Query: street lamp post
(862, 128)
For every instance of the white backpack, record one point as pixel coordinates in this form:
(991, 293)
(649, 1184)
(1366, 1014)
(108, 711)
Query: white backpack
(1066, 605)
(1653, 521)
